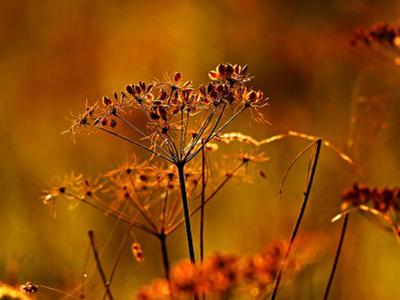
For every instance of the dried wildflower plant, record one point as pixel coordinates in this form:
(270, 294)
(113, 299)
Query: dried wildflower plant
(383, 203)
(384, 38)
(224, 276)
(181, 119)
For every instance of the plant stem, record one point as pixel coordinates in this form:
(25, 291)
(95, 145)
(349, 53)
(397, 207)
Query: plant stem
(186, 211)
(203, 202)
(337, 256)
(164, 251)
(99, 266)
(299, 218)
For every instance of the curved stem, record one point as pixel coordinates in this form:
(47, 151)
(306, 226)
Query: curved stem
(299, 219)
(337, 256)
(186, 211)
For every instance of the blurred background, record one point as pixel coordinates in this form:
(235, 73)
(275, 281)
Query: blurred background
(56, 54)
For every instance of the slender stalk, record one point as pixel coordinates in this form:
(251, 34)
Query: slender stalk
(186, 211)
(203, 202)
(182, 134)
(136, 144)
(203, 127)
(65, 294)
(337, 256)
(299, 219)
(115, 214)
(117, 259)
(164, 251)
(141, 133)
(106, 283)
(216, 132)
(190, 156)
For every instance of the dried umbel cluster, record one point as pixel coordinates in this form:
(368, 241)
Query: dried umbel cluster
(383, 37)
(147, 195)
(381, 202)
(226, 275)
(180, 119)
(382, 199)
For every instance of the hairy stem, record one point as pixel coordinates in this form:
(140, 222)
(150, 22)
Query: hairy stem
(99, 266)
(299, 219)
(337, 256)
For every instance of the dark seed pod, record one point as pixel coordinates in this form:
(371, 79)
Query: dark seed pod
(229, 70)
(129, 89)
(221, 68)
(163, 95)
(177, 76)
(154, 115)
(137, 89)
(106, 100)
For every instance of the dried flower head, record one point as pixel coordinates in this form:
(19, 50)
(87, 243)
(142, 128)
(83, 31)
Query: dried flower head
(227, 274)
(181, 119)
(381, 202)
(382, 37)
(147, 194)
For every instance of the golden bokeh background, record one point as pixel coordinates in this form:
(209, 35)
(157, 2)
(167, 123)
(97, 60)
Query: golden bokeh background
(55, 54)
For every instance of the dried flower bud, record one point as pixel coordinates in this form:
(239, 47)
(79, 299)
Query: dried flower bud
(221, 68)
(163, 95)
(213, 75)
(137, 251)
(229, 70)
(130, 90)
(106, 100)
(177, 76)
